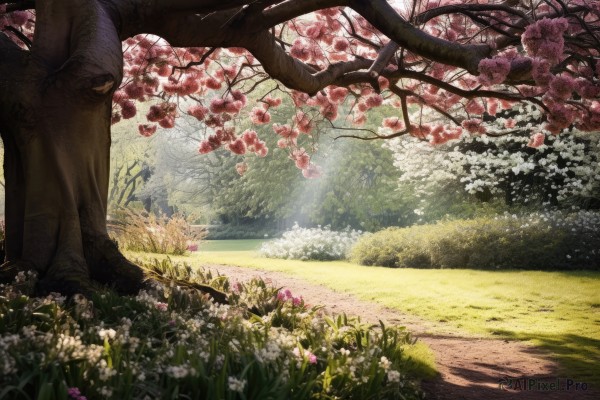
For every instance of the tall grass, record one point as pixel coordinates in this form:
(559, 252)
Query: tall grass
(147, 232)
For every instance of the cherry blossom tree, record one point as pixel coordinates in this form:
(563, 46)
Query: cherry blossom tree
(70, 68)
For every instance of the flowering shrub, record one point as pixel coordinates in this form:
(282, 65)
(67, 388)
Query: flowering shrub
(522, 165)
(141, 231)
(311, 244)
(169, 342)
(551, 240)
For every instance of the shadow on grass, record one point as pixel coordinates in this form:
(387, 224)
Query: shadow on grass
(578, 356)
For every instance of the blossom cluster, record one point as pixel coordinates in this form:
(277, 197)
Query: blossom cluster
(311, 244)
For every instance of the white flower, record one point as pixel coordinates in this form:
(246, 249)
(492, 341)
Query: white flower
(393, 376)
(236, 385)
(107, 334)
(384, 363)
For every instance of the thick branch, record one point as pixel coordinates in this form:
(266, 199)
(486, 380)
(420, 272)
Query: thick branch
(293, 73)
(290, 9)
(381, 15)
(383, 59)
(78, 41)
(464, 8)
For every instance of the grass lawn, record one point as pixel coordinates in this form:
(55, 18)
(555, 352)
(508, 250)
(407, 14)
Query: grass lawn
(557, 311)
(231, 245)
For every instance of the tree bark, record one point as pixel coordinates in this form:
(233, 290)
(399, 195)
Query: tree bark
(55, 124)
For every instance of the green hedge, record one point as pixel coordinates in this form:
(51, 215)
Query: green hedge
(537, 241)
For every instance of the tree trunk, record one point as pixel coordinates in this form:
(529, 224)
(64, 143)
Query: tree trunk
(55, 123)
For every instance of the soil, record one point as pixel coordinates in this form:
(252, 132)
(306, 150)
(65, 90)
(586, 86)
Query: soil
(470, 367)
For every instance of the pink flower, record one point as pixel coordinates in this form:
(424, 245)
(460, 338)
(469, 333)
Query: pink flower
(115, 118)
(302, 161)
(340, 44)
(312, 359)
(250, 137)
(161, 306)
(540, 71)
(474, 126)
(591, 119)
(510, 123)
(394, 123)
(259, 115)
(493, 70)
(587, 89)
(561, 87)
(475, 107)
(241, 168)
(164, 70)
(297, 301)
(198, 111)
(205, 147)
(311, 171)
(272, 101)
(237, 146)
(19, 17)
(192, 247)
(420, 131)
(134, 90)
(147, 130)
(128, 109)
(374, 100)
(188, 86)
(303, 122)
(261, 150)
(559, 118)
(156, 113)
(119, 97)
(75, 394)
(239, 96)
(299, 50)
(167, 122)
(544, 38)
(212, 83)
(536, 140)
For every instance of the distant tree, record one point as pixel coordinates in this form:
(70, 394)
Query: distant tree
(59, 81)
(506, 164)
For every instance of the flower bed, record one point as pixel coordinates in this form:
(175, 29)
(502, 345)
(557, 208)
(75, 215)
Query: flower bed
(169, 342)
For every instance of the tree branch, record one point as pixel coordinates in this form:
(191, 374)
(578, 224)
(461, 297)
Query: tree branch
(293, 73)
(383, 16)
(428, 15)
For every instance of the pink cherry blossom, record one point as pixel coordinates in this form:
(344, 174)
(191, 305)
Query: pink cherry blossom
(561, 87)
(128, 109)
(237, 146)
(303, 122)
(536, 140)
(544, 38)
(493, 70)
(259, 116)
(241, 168)
(198, 111)
(250, 137)
(474, 126)
(394, 123)
(147, 130)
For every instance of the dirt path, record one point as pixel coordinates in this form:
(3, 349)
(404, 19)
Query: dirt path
(470, 367)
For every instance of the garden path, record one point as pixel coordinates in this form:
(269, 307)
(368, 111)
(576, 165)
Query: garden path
(470, 367)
